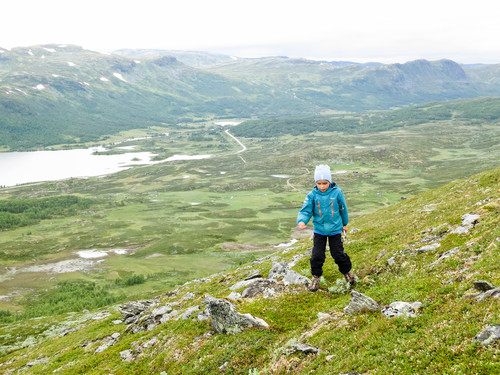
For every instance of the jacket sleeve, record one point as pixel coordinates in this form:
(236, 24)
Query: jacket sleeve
(343, 208)
(306, 212)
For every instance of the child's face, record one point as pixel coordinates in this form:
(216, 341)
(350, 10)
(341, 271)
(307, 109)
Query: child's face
(323, 185)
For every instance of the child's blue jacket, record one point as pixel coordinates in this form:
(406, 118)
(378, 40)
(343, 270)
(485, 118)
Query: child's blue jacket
(328, 210)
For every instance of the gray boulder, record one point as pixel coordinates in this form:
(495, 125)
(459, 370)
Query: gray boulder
(295, 278)
(132, 310)
(278, 270)
(489, 335)
(257, 287)
(360, 302)
(225, 319)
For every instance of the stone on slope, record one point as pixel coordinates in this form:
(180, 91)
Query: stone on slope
(225, 319)
(489, 335)
(360, 302)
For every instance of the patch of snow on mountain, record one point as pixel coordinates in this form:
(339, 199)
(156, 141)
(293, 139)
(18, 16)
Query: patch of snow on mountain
(21, 91)
(120, 77)
(104, 79)
(40, 87)
(49, 49)
(71, 63)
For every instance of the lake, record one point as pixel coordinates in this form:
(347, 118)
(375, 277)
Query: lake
(35, 166)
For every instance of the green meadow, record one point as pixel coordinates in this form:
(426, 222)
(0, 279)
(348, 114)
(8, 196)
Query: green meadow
(180, 220)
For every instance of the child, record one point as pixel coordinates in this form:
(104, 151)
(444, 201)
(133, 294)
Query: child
(326, 205)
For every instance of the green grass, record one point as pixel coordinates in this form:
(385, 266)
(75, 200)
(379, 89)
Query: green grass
(185, 209)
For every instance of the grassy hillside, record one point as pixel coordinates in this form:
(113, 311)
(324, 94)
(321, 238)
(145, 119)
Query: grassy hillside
(155, 222)
(472, 111)
(415, 250)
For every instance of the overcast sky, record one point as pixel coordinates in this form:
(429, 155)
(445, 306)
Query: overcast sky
(356, 30)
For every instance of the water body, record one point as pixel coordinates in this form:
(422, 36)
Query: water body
(35, 166)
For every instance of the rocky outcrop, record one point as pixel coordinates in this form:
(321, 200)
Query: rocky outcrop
(468, 222)
(225, 319)
(132, 310)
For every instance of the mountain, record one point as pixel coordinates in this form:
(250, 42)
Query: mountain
(428, 277)
(63, 94)
(196, 59)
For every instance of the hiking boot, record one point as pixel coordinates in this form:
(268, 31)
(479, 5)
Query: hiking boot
(314, 284)
(350, 277)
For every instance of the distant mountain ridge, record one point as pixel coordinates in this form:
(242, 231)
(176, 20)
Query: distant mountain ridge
(64, 94)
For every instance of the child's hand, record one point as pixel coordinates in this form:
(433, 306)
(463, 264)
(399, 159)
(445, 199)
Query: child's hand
(302, 226)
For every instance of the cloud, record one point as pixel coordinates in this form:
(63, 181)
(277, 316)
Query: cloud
(321, 29)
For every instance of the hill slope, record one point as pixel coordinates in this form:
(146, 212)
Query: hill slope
(430, 249)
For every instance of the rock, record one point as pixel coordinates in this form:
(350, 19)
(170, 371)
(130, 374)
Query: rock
(430, 247)
(488, 335)
(225, 319)
(278, 270)
(269, 292)
(468, 222)
(304, 348)
(37, 362)
(324, 316)
(460, 230)
(127, 355)
(447, 254)
(203, 315)
(188, 296)
(234, 296)
(492, 293)
(404, 309)
(295, 278)
(255, 275)
(256, 288)
(188, 313)
(296, 259)
(109, 341)
(470, 219)
(360, 302)
(243, 284)
(132, 310)
(483, 285)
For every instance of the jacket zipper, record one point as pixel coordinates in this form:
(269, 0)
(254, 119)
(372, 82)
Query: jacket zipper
(319, 208)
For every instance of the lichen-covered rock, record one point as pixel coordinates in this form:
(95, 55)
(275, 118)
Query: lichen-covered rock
(404, 309)
(360, 302)
(295, 278)
(225, 319)
(132, 310)
(489, 335)
(278, 270)
(257, 287)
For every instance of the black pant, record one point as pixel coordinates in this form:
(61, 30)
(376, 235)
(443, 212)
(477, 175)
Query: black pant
(336, 250)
